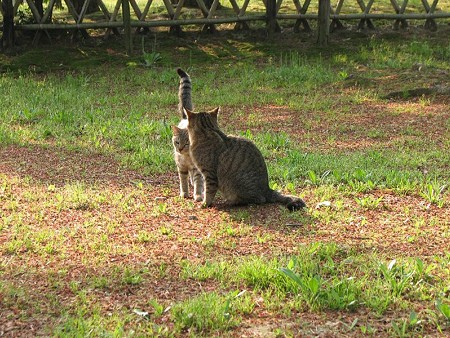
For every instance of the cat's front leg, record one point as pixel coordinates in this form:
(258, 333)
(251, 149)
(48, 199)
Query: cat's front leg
(184, 183)
(211, 186)
(197, 182)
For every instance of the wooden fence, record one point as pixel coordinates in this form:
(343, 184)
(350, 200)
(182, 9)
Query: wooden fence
(127, 15)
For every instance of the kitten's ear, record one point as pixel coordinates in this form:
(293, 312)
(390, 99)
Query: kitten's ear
(188, 113)
(175, 130)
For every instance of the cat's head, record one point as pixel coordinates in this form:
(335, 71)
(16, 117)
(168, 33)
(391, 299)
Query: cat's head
(202, 120)
(180, 140)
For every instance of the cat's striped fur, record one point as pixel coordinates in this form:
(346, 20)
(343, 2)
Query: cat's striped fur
(233, 165)
(180, 140)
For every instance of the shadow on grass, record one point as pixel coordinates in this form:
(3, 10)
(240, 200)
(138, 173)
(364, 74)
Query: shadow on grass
(57, 166)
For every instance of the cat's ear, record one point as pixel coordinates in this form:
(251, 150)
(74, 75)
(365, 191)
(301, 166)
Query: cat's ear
(215, 112)
(214, 115)
(187, 113)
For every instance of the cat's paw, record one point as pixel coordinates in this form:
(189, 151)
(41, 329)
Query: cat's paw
(206, 204)
(198, 198)
(184, 195)
(296, 205)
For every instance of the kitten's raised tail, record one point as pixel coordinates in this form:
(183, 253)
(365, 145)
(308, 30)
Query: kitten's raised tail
(184, 93)
(293, 203)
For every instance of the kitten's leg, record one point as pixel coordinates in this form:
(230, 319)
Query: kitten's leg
(211, 186)
(184, 183)
(197, 182)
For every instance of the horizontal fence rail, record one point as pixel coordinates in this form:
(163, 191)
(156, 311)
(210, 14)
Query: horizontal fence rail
(127, 14)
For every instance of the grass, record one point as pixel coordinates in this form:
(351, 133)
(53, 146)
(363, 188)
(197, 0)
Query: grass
(96, 242)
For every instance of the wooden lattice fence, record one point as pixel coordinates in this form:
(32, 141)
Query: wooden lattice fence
(128, 15)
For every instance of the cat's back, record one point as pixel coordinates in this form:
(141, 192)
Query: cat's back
(242, 172)
(242, 156)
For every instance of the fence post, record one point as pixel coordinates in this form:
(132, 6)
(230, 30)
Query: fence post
(323, 22)
(8, 39)
(271, 14)
(127, 25)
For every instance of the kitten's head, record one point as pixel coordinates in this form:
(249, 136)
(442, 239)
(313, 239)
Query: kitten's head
(180, 140)
(202, 120)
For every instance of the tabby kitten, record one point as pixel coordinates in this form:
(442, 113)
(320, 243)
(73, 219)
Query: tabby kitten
(230, 164)
(180, 141)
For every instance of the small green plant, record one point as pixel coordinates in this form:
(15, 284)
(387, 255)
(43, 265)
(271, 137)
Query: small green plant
(160, 209)
(337, 294)
(369, 202)
(444, 309)
(150, 59)
(76, 196)
(131, 277)
(309, 285)
(403, 328)
(262, 238)
(314, 179)
(396, 276)
(145, 236)
(258, 273)
(202, 272)
(422, 271)
(433, 193)
(166, 230)
(157, 307)
(367, 329)
(227, 228)
(206, 313)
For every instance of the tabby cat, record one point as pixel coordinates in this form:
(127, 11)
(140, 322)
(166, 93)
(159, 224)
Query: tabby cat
(180, 141)
(233, 165)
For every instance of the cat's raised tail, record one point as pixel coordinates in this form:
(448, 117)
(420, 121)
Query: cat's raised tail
(293, 203)
(184, 93)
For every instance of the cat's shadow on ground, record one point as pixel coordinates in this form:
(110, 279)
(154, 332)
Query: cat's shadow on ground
(269, 216)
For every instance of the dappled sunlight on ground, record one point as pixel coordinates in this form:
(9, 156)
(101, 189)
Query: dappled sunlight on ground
(369, 124)
(72, 216)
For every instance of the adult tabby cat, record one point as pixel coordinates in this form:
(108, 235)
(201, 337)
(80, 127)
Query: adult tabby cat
(180, 141)
(230, 164)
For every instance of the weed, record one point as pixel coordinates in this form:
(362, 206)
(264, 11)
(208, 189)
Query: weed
(77, 196)
(150, 59)
(145, 236)
(318, 293)
(433, 193)
(132, 277)
(166, 230)
(367, 329)
(204, 313)
(443, 309)
(369, 202)
(208, 270)
(397, 277)
(315, 179)
(160, 209)
(158, 308)
(258, 273)
(262, 238)
(403, 327)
